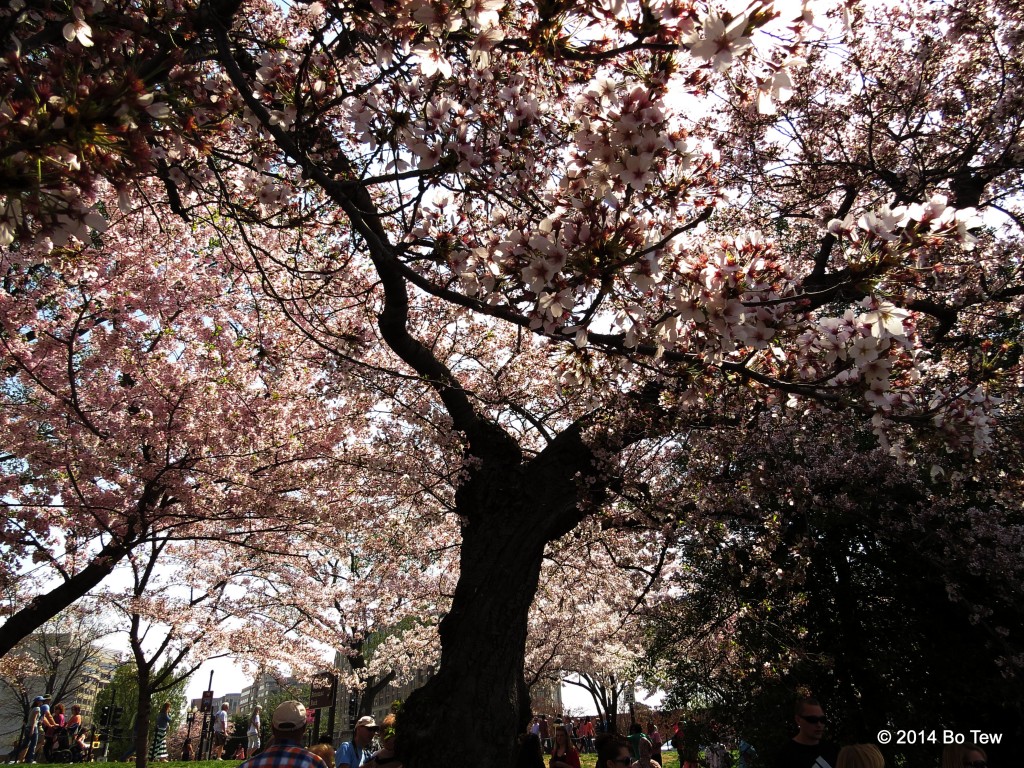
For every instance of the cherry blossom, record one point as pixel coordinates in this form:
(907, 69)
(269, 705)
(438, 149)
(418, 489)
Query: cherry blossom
(487, 267)
(722, 40)
(78, 29)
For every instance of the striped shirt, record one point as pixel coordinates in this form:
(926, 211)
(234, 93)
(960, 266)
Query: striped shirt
(284, 754)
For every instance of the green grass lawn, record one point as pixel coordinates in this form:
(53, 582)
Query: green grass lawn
(670, 759)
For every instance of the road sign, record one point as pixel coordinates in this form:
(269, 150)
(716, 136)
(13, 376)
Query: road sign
(323, 688)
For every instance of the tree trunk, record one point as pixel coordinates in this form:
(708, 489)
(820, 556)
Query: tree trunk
(374, 685)
(605, 697)
(473, 708)
(612, 713)
(142, 720)
(44, 607)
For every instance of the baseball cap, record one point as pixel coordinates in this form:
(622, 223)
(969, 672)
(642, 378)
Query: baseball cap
(289, 716)
(367, 721)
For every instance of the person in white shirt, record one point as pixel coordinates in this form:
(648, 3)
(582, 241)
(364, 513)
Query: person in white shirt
(220, 731)
(254, 732)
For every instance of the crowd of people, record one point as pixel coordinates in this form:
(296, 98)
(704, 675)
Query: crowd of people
(554, 743)
(50, 734)
(558, 743)
(562, 740)
(288, 725)
(582, 732)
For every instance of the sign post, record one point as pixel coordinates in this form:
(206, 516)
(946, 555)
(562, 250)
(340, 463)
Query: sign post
(323, 689)
(206, 707)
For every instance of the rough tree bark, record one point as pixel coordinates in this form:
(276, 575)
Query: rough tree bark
(477, 702)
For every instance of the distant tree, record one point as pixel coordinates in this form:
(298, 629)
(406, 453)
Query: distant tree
(58, 659)
(606, 691)
(176, 614)
(123, 691)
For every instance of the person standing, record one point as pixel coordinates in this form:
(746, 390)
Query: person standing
(636, 735)
(808, 749)
(52, 722)
(253, 732)
(545, 733)
(587, 735)
(288, 726)
(48, 726)
(158, 749)
(220, 731)
(355, 753)
(27, 747)
(715, 755)
(656, 741)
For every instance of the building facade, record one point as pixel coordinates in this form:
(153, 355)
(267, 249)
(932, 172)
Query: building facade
(70, 670)
(546, 697)
(266, 687)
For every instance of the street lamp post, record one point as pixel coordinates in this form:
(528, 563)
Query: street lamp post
(190, 719)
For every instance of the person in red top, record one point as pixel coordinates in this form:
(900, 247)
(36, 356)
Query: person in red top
(563, 755)
(587, 732)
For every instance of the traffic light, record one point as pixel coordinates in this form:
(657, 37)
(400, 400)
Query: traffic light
(353, 709)
(115, 720)
(103, 727)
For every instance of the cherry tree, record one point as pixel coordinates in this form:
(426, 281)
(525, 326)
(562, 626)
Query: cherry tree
(171, 631)
(545, 242)
(374, 589)
(58, 657)
(597, 586)
(138, 399)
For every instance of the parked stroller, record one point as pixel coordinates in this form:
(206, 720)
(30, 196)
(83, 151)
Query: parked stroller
(64, 746)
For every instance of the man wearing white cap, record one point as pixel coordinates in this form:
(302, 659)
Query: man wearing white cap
(353, 754)
(285, 751)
